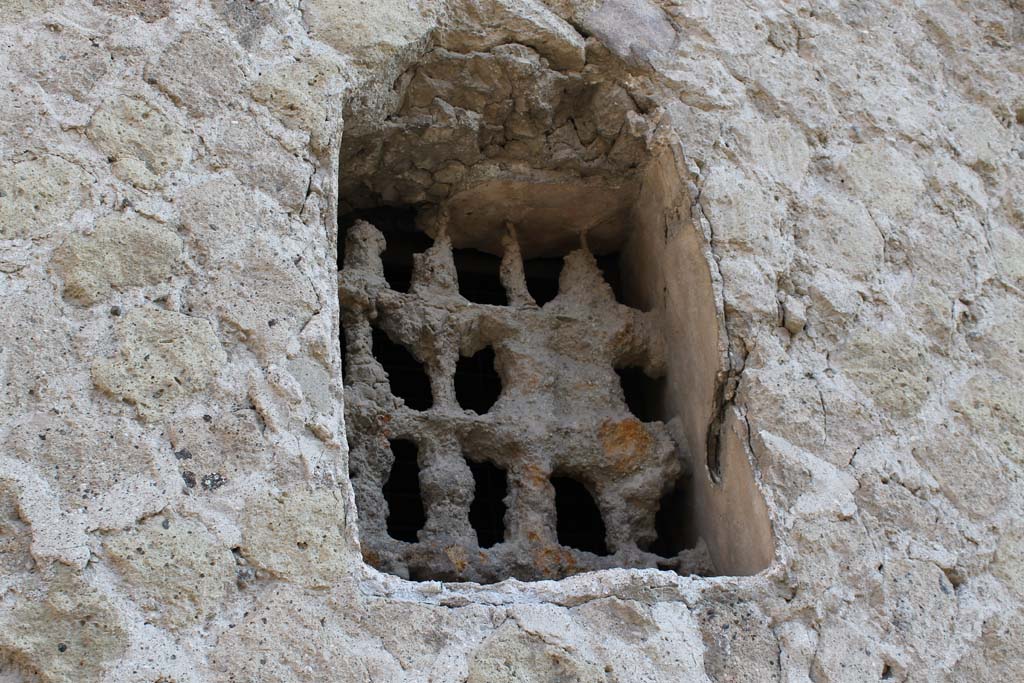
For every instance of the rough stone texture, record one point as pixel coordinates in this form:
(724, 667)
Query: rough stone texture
(179, 573)
(163, 356)
(560, 412)
(123, 251)
(61, 628)
(39, 194)
(105, 476)
(298, 535)
(502, 135)
(202, 92)
(140, 141)
(853, 171)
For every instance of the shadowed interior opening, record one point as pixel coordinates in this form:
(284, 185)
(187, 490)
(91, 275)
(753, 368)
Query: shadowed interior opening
(477, 383)
(579, 524)
(403, 242)
(389, 219)
(672, 522)
(406, 375)
(643, 394)
(480, 277)
(398, 224)
(398, 257)
(402, 493)
(343, 341)
(353, 465)
(487, 511)
(612, 270)
(542, 278)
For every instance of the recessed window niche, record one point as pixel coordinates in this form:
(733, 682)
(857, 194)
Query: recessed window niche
(558, 306)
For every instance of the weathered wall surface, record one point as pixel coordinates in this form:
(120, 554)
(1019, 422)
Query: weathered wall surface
(174, 502)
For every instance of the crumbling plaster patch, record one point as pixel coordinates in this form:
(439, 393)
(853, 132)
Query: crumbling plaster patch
(828, 111)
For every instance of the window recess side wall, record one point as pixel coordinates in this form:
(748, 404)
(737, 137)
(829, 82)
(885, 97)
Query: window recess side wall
(730, 515)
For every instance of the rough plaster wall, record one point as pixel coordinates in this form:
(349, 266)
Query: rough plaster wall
(173, 503)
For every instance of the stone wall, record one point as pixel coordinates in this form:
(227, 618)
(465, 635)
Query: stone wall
(175, 502)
